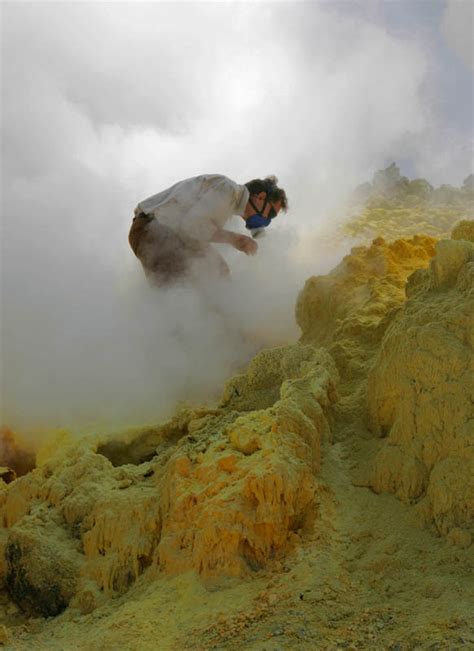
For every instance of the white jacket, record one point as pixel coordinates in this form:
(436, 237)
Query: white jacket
(198, 206)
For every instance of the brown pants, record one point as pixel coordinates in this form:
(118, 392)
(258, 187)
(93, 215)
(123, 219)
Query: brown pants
(167, 257)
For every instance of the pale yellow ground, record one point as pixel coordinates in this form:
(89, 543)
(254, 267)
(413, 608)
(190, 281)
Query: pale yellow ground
(368, 577)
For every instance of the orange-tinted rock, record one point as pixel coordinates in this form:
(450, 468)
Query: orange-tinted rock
(15, 453)
(223, 495)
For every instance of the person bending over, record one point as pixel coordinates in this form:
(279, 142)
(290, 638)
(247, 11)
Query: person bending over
(173, 231)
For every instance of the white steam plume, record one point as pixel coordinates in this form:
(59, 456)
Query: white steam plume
(105, 104)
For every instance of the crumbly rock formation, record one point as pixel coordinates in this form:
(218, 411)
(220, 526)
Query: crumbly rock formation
(219, 491)
(464, 230)
(392, 206)
(274, 514)
(402, 337)
(349, 309)
(421, 392)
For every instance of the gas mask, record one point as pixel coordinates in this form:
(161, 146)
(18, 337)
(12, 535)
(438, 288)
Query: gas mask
(257, 222)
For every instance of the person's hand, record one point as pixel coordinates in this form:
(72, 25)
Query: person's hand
(245, 244)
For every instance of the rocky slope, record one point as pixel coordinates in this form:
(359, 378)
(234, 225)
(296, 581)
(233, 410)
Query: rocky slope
(219, 491)
(392, 205)
(421, 390)
(269, 521)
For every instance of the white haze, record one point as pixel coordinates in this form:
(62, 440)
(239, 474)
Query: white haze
(105, 104)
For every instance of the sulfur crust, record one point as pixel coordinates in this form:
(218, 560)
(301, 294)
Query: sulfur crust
(227, 491)
(401, 317)
(420, 393)
(296, 466)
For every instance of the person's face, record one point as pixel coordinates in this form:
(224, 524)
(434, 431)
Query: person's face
(270, 210)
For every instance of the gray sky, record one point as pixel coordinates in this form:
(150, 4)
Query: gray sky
(106, 103)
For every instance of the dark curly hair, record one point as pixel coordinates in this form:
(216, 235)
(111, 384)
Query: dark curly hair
(268, 185)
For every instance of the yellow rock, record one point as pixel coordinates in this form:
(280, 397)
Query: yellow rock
(220, 492)
(386, 340)
(464, 230)
(349, 309)
(401, 315)
(420, 392)
(451, 257)
(247, 432)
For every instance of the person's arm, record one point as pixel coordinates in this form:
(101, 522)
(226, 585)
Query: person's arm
(240, 242)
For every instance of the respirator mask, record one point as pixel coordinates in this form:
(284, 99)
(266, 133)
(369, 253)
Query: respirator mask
(257, 222)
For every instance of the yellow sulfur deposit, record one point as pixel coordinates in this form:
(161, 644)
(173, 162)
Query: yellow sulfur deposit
(464, 230)
(416, 352)
(227, 491)
(325, 502)
(420, 392)
(349, 310)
